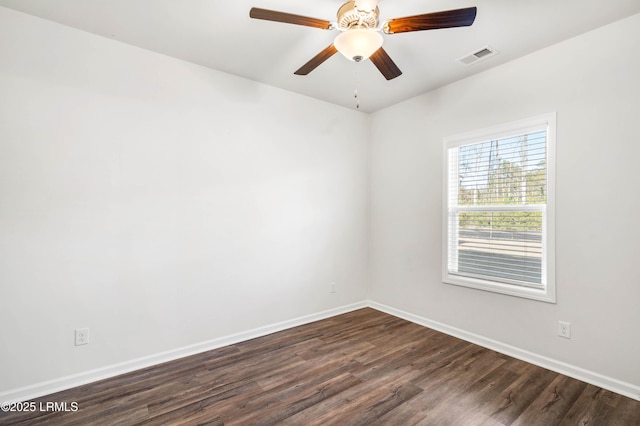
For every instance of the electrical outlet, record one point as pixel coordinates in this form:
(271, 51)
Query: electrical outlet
(333, 288)
(564, 329)
(82, 336)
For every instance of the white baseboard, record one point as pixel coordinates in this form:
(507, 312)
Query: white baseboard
(46, 388)
(609, 383)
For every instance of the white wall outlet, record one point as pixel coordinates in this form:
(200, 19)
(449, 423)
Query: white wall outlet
(332, 288)
(82, 336)
(564, 329)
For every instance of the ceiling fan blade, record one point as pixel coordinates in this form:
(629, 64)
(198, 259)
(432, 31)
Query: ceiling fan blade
(432, 21)
(317, 60)
(288, 18)
(385, 64)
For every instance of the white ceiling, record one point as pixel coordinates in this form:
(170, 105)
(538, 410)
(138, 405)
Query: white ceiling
(220, 35)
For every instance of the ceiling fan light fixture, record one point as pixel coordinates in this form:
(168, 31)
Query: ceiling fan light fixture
(357, 44)
(360, 38)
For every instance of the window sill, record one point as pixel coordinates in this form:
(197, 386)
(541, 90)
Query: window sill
(547, 294)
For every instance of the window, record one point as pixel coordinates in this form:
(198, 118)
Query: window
(498, 218)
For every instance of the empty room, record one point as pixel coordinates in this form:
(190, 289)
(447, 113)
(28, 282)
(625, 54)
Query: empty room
(351, 213)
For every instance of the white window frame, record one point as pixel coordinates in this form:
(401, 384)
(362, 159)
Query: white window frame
(547, 291)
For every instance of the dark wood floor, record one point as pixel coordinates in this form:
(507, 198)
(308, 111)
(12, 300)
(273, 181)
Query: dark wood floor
(360, 368)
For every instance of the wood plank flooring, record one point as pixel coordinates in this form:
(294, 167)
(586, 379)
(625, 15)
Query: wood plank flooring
(361, 368)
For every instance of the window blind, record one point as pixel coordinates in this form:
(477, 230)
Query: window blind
(497, 209)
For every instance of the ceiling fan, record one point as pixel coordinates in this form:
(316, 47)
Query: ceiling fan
(359, 26)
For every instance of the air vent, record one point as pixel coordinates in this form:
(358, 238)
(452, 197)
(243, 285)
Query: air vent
(482, 53)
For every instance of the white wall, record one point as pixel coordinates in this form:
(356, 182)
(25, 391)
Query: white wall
(162, 204)
(593, 84)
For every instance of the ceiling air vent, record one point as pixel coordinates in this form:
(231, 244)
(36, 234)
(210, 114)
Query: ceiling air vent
(478, 55)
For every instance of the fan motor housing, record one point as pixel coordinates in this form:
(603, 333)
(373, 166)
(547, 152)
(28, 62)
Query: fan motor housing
(349, 16)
